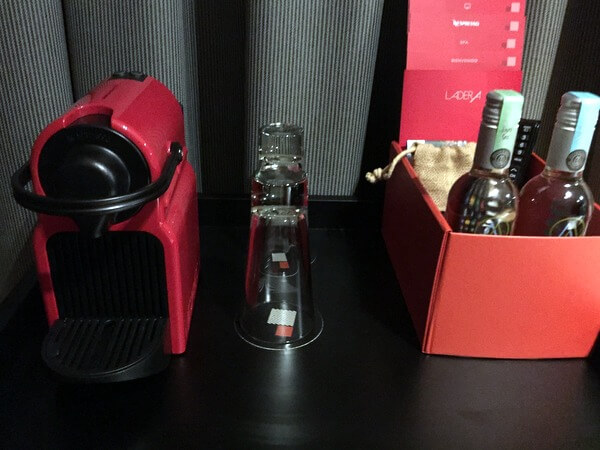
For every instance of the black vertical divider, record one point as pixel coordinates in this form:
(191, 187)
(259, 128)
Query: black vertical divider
(386, 96)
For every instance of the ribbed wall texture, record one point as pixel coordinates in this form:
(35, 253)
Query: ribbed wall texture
(576, 69)
(544, 24)
(155, 37)
(221, 34)
(35, 88)
(312, 63)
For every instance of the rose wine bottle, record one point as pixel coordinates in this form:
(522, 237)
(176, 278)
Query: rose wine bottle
(484, 200)
(558, 202)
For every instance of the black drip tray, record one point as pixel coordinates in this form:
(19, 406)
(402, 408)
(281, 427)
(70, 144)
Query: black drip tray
(107, 349)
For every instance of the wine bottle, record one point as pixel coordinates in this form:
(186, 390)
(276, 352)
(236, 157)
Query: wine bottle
(558, 202)
(484, 200)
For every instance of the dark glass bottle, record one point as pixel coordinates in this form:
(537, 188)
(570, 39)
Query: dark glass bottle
(558, 202)
(484, 200)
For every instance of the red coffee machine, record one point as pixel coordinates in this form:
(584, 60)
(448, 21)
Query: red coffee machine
(116, 243)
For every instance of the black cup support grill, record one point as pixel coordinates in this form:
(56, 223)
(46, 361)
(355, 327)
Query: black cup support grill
(112, 298)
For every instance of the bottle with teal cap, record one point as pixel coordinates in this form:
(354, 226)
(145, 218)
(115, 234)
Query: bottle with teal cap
(558, 202)
(484, 200)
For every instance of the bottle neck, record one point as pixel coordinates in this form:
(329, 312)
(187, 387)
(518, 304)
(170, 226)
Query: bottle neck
(485, 172)
(492, 155)
(565, 159)
(551, 172)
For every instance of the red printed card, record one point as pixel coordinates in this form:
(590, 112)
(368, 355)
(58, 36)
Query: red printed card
(464, 60)
(435, 7)
(447, 104)
(466, 42)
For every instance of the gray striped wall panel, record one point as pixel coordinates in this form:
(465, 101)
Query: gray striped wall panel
(312, 63)
(156, 37)
(576, 69)
(221, 33)
(35, 88)
(544, 24)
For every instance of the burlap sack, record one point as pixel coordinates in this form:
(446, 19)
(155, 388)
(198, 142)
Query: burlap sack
(439, 167)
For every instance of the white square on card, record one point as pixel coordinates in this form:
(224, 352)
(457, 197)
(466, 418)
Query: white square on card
(511, 43)
(515, 7)
(278, 257)
(284, 317)
(511, 61)
(514, 25)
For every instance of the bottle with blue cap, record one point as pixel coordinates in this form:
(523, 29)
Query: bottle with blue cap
(558, 202)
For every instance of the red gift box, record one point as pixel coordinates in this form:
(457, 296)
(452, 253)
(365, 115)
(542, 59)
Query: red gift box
(490, 296)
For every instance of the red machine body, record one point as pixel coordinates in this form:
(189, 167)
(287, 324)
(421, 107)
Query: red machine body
(149, 115)
(116, 261)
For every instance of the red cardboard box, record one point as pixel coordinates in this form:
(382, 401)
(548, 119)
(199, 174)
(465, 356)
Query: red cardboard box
(490, 296)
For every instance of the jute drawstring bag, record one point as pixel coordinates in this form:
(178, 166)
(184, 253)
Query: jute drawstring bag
(438, 167)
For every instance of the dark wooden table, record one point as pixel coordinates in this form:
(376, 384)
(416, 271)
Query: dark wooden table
(362, 384)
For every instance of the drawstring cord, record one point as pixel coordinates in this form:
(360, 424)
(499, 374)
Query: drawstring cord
(385, 173)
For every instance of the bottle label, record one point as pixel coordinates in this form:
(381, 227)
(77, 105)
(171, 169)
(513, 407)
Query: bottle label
(576, 160)
(508, 125)
(500, 158)
(568, 226)
(495, 143)
(498, 225)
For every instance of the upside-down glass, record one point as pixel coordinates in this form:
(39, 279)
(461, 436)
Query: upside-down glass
(280, 179)
(278, 311)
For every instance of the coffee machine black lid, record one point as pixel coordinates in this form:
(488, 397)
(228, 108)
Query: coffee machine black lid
(89, 160)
